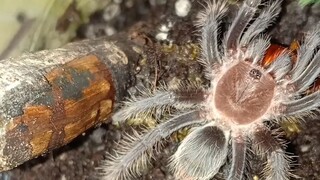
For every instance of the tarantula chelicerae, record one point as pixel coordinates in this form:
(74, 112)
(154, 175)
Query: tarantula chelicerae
(245, 91)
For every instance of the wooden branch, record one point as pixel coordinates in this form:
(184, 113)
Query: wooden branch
(50, 97)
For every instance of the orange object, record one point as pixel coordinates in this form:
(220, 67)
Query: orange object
(272, 53)
(275, 50)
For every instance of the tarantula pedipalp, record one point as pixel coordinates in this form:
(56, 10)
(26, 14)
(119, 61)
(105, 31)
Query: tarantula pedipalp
(245, 91)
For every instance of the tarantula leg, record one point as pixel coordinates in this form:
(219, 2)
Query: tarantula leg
(302, 105)
(201, 153)
(257, 48)
(244, 16)
(161, 99)
(209, 21)
(306, 57)
(278, 162)
(281, 66)
(238, 158)
(133, 153)
(308, 76)
(260, 23)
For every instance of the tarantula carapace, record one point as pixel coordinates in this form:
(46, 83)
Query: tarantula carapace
(245, 92)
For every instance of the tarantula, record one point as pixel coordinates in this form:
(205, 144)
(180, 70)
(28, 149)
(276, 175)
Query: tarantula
(245, 92)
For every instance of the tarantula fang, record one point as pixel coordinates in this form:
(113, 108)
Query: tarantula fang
(245, 91)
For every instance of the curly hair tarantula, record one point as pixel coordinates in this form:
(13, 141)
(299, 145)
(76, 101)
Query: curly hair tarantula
(245, 92)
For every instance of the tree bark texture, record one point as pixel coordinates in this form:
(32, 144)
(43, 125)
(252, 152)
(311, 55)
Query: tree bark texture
(48, 98)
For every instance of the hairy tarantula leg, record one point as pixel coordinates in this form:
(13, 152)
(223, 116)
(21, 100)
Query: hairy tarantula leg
(257, 48)
(278, 162)
(309, 75)
(261, 22)
(302, 105)
(133, 154)
(201, 153)
(209, 21)
(244, 16)
(238, 158)
(161, 99)
(305, 53)
(281, 66)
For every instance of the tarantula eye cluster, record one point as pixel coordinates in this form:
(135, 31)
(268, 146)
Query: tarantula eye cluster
(245, 91)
